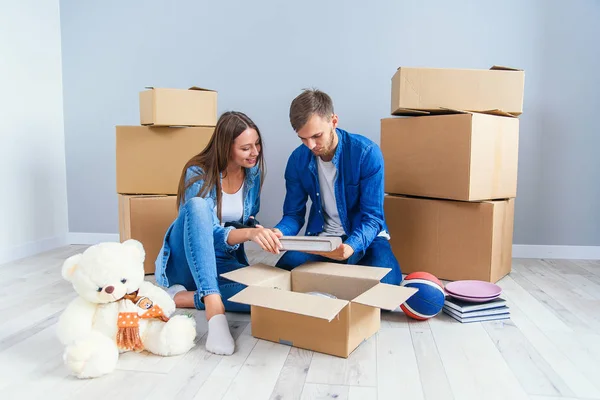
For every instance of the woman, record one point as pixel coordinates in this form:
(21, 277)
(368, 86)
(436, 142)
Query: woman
(221, 184)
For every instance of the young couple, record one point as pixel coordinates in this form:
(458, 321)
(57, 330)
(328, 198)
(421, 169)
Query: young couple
(341, 172)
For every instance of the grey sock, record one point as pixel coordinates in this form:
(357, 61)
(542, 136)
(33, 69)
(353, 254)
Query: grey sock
(219, 339)
(173, 290)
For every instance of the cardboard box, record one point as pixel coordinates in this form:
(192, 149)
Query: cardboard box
(178, 107)
(452, 240)
(432, 89)
(150, 160)
(465, 156)
(282, 311)
(146, 218)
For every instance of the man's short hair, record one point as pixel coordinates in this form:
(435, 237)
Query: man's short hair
(309, 102)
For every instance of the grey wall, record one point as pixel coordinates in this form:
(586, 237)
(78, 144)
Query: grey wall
(259, 55)
(33, 182)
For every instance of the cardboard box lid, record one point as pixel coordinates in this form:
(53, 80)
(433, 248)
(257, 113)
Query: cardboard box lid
(284, 300)
(190, 88)
(385, 296)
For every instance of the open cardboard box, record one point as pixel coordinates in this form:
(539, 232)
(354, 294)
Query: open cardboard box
(282, 311)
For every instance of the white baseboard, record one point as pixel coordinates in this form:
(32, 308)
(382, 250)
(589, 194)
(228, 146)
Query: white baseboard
(556, 252)
(91, 238)
(31, 248)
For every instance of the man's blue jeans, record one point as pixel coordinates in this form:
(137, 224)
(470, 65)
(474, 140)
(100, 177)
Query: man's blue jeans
(194, 262)
(378, 254)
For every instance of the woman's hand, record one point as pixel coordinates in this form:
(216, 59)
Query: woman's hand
(267, 239)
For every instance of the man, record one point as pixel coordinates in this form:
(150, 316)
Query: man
(342, 174)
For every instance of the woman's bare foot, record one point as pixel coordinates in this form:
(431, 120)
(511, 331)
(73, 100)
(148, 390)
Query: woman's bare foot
(184, 299)
(213, 305)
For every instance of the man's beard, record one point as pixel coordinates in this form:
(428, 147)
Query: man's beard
(327, 150)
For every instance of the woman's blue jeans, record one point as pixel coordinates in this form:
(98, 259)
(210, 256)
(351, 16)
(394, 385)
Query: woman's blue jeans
(195, 263)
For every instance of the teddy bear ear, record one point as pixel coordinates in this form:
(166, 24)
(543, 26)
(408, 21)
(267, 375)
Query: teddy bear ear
(70, 266)
(137, 247)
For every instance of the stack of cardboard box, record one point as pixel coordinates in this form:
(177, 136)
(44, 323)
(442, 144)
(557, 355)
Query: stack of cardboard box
(451, 156)
(175, 125)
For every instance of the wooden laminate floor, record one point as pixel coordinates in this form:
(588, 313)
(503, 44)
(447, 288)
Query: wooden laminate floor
(549, 349)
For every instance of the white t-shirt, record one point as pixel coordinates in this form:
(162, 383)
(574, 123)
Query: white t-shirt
(232, 206)
(333, 224)
(327, 174)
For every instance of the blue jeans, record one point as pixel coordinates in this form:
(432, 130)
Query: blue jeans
(378, 254)
(195, 264)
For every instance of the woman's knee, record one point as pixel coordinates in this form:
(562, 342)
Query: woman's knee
(198, 207)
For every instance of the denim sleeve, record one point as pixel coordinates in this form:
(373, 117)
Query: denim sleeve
(294, 205)
(220, 234)
(371, 200)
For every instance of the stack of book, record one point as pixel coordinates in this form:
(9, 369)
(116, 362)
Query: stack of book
(464, 311)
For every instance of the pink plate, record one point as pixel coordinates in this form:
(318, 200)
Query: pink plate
(473, 299)
(472, 288)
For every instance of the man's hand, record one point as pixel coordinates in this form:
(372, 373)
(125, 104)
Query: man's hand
(343, 252)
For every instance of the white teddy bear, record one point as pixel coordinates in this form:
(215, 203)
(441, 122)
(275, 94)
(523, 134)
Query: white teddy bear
(117, 311)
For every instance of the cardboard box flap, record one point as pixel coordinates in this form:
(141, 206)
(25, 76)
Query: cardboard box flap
(256, 274)
(284, 300)
(385, 296)
(496, 112)
(190, 88)
(335, 269)
(410, 111)
(499, 113)
(201, 88)
(431, 111)
(503, 68)
(494, 68)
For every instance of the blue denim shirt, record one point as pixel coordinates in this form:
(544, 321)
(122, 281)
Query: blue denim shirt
(251, 196)
(358, 191)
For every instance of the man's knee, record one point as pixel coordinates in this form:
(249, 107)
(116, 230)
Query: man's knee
(292, 259)
(289, 260)
(380, 254)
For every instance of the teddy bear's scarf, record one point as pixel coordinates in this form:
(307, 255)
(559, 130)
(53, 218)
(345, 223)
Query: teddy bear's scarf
(128, 333)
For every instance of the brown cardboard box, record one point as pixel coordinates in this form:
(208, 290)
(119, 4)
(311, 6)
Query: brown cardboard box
(430, 89)
(178, 107)
(466, 156)
(452, 240)
(283, 312)
(150, 160)
(146, 218)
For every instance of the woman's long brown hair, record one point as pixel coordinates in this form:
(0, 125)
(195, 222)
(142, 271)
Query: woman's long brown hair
(214, 158)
